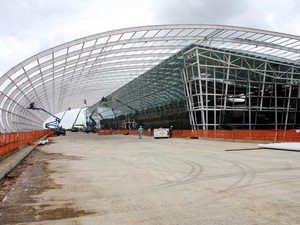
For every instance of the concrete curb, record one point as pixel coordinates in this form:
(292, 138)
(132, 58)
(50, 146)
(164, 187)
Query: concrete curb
(12, 161)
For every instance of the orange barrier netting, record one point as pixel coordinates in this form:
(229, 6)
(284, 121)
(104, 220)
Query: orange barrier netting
(12, 141)
(247, 135)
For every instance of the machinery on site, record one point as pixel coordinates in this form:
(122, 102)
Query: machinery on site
(130, 122)
(75, 127)
(90, 123)
(53, 125)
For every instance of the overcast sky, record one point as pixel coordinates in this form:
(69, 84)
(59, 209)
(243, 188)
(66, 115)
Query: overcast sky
(31, 26)
(28, 27)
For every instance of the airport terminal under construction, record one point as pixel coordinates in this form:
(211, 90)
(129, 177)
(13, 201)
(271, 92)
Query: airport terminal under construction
(208, 97)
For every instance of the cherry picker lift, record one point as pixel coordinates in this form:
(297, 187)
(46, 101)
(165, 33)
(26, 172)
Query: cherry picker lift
(90, 122)
(53, 125)
(75, 127)
(132, 119)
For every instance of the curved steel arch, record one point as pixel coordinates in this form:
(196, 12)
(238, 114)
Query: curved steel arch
(95, 66)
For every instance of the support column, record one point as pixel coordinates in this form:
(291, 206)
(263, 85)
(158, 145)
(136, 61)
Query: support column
(201, 93)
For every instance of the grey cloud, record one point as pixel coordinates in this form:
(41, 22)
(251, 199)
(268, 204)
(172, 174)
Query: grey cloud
(31, 26)
(18, 16)
(195, 11)
(276, 15)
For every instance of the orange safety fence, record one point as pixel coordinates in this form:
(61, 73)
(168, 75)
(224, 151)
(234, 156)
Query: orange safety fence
(12, 141)
(247, 135)
(105, 132)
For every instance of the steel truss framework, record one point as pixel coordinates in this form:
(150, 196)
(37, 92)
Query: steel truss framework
(95, 66)
(154, 99)
(231, 90)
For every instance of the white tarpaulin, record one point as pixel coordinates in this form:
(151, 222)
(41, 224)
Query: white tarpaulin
(291, 146)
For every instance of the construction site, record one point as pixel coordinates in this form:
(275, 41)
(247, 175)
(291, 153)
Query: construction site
(166, 124)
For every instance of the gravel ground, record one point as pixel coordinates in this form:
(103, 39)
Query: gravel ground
(90, 179)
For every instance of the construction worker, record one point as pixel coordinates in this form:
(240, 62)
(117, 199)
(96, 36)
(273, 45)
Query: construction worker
(171, 131)
(140, 131)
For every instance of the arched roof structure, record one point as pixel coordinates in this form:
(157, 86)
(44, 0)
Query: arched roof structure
(94, 66)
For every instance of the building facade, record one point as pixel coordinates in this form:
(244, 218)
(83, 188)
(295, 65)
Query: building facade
(234, 90)
(209, 88)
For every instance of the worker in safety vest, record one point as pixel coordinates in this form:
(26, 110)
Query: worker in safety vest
(140, 131)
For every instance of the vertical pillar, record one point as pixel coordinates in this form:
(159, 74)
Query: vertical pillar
(289, 100)
(275, 105)
(215, 100)
(263, 87)
(201, 93)
(249, 105)
(187, 92)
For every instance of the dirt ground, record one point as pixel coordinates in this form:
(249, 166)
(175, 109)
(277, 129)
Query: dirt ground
(90, 179)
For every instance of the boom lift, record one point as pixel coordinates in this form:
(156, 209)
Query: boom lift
(53, 125)
(130, 122)
(136, 111)
(74, 126)
(91, 123)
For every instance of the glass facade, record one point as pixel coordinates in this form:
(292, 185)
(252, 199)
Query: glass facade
(154, 99)
(208, 88)
(234, 90)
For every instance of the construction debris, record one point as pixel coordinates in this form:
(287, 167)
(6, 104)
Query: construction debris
(43, 142)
